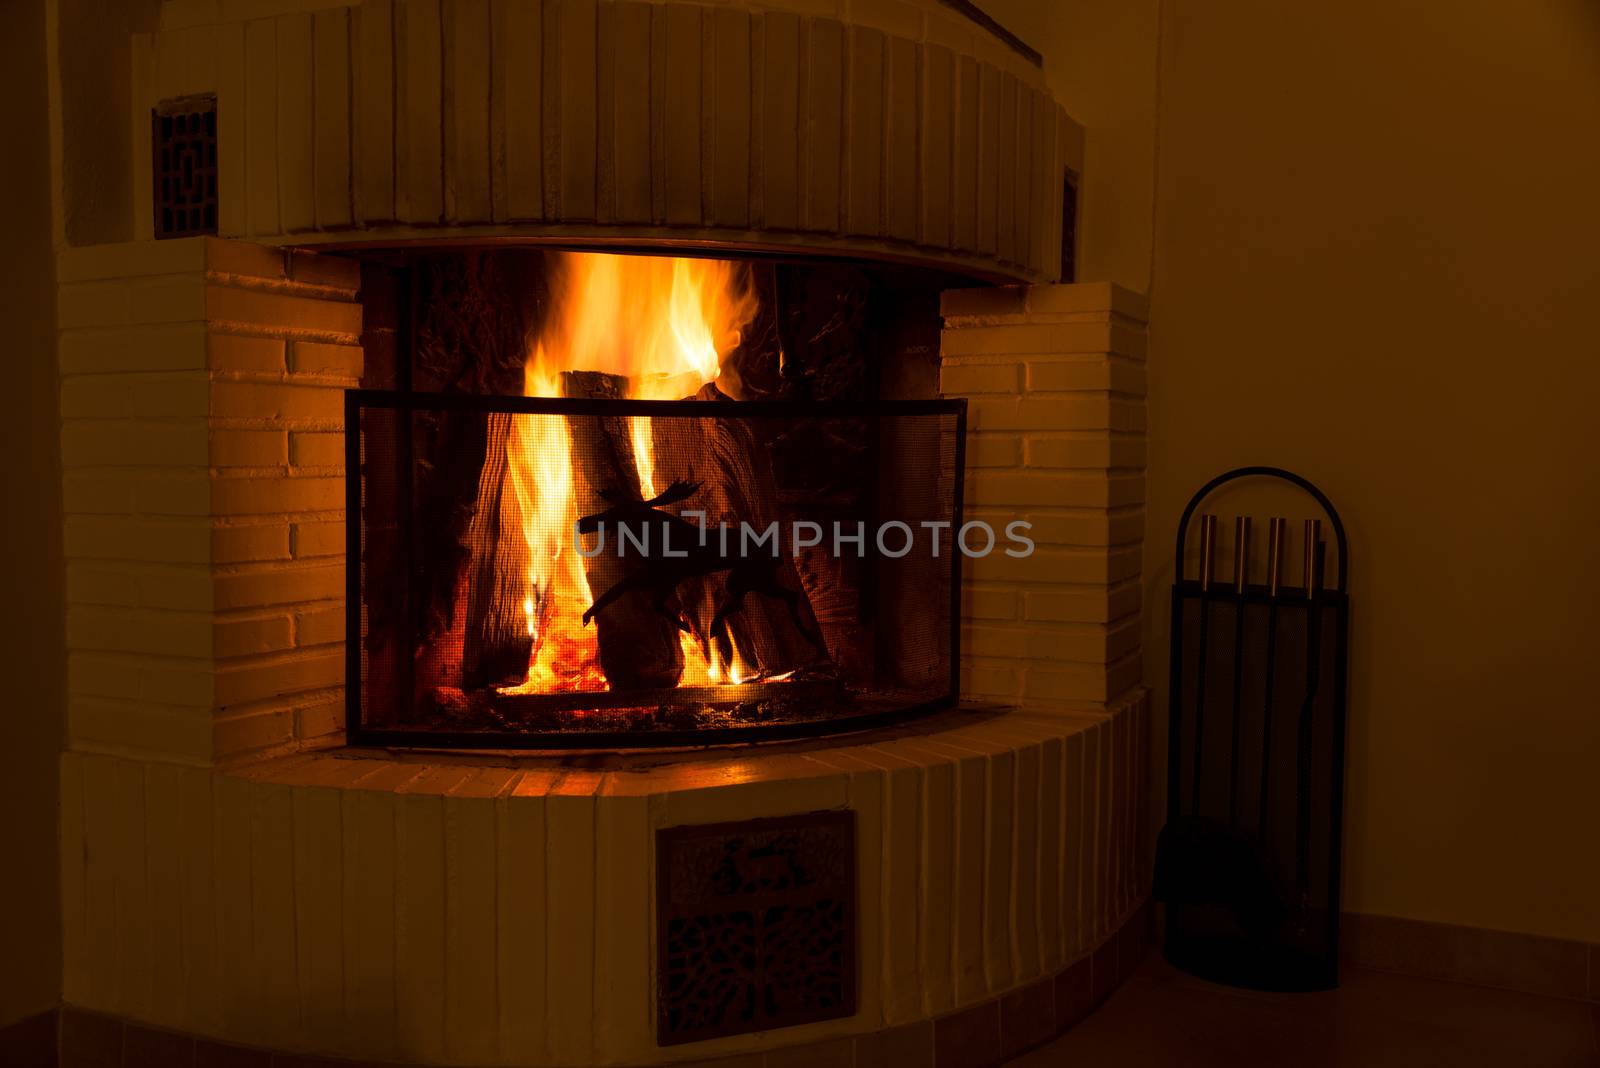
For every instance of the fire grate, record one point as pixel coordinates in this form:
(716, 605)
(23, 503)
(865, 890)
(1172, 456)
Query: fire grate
(756, 925)
(184, 157)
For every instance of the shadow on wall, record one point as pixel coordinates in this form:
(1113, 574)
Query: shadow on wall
(32, 652)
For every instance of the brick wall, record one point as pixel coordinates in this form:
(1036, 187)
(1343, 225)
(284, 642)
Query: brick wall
(1056, 382)
(201, 399)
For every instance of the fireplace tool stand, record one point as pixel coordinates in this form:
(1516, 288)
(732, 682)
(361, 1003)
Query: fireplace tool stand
(1248, 862)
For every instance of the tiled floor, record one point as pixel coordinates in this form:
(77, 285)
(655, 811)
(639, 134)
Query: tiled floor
(1162, 1017)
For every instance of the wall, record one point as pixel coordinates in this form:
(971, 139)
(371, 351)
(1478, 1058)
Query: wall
(97, 140)
(31, 655)
(1376, 264)
(1100, 65)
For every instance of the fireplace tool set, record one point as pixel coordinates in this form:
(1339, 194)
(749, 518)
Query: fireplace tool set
(1248, 862)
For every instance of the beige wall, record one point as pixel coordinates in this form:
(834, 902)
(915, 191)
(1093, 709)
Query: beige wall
(1376, 263)
(32, 661)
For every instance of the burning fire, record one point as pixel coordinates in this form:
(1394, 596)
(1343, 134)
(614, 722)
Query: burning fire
(664, 325)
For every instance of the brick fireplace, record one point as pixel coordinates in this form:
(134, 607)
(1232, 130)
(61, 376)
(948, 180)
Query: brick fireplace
(235, 872)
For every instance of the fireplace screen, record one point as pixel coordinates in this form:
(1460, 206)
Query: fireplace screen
(589, 570)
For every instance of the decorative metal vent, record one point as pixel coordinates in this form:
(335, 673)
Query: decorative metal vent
(756, 925)
(184, 158)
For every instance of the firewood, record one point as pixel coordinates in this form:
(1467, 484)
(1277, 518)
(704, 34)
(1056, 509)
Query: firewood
(638, 645)
(737, 487)
(496, 646)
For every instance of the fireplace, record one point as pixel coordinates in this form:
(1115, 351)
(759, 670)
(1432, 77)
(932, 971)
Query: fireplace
(349, 774)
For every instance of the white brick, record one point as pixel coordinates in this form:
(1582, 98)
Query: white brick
(333, 271)
(240, 352)
(988, 679)
(177, 541)
(1089, 682)
(102, 675)
(169, 299)
(1056, 566)
(1084, 450)
(272, 401)
(253, 635)
(139, 631)
(993, 450)
(1026, 339)
(187, 588)
(81, 304)
(278, 676)
(173, 347)
(132, 259)
(1081, 604)
(1071, 411)
(234, 735)
(250, 543)
(312, 449)
(139, 729)
(263, 496)
(96, 442)
(1086, 375)
(312, 357)
(319, 626)
(1077, 643)
(102, 584)
(186, 684)
(172, 492)
(988, 603)
(1038, 488)
(1095, 528)
(249, 448)
(96, 494)
(320, 719)
(982, 301)
(1087, 297)
(980, 378)
(279, 585)
(271, 312)
(246, 260)
(147, 396)
(319, 539)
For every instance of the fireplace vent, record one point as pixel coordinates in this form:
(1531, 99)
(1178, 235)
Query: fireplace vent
(184, 156)
(757, 925)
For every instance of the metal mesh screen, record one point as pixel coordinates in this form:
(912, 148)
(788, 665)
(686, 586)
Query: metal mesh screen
(574, 572)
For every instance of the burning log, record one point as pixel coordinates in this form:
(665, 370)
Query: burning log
(638, 645)
(497, 643)
(775, 633)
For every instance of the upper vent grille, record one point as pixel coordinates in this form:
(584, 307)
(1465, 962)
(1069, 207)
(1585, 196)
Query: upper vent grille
(184, 157)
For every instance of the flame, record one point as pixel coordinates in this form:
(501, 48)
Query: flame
(663, 323)
(540, 473)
